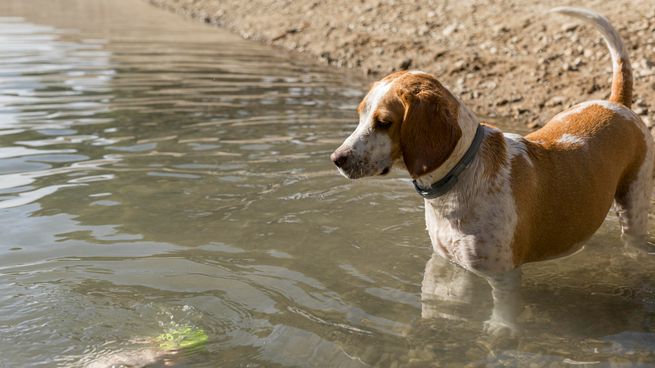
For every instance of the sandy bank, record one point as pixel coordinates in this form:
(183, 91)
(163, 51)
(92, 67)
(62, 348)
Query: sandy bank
(503, 58)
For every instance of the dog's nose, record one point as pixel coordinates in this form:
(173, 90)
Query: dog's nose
(340, 157)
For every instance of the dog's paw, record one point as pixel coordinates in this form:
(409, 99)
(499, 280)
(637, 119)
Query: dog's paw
(501, 329)
(637, 246)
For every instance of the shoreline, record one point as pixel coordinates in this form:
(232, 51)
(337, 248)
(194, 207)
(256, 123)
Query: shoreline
(508, 59)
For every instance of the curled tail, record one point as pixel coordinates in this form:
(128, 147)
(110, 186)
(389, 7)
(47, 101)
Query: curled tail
(621, 70)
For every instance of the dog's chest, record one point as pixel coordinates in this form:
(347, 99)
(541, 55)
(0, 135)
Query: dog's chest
(478, 239)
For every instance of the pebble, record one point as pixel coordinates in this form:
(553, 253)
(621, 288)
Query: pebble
(556, 101)
(450, 29)
(405, 64)
(488, 85)
(533, 125)
(570, 27)
(500, 29)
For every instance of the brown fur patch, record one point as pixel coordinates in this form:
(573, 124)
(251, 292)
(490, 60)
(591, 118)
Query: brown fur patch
(622, 84)
(429, 131)
(495, 153)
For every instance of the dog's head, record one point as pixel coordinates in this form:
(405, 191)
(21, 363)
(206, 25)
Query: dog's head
(406, 118)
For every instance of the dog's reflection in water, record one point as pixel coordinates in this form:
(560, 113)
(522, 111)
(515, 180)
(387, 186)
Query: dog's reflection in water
(452, 293)
(456, 305)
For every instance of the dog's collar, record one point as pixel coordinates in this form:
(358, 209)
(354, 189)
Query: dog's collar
(443, 185)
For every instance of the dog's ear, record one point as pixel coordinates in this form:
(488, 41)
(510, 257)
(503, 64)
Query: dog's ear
(429, 131)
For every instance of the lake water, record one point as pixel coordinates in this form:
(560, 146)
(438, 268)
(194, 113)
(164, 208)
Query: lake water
(158, 174)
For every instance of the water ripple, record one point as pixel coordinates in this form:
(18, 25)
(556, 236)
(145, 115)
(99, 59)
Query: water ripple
(157, 173)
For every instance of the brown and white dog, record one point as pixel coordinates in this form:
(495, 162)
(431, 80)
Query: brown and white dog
(495, 201)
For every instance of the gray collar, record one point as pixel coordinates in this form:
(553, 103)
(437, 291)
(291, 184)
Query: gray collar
(444, 184)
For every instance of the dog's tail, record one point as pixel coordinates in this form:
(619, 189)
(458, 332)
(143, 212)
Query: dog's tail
(621, 70)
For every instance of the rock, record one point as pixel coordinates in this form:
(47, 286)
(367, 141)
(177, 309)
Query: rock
(325, 55)
(518, 111)
(450, 29)
(556, 101)
(502, 102)
(570, 27)
(439, 53)
(488, 85)
(405, 64)
(459, 66)
(287, 32)
(500, 29)
(640, 110)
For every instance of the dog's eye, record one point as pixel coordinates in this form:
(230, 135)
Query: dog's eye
(382, 123)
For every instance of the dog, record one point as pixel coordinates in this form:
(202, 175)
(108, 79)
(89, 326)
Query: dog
(495, 201)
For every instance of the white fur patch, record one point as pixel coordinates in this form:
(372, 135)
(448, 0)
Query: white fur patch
(513, 136)
(516, 146)
(570, 139)
(370, 149)
(376, 96)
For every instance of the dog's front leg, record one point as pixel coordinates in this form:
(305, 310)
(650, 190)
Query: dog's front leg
(505, 289)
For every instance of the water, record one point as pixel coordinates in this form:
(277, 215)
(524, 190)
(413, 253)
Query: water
(157, 173)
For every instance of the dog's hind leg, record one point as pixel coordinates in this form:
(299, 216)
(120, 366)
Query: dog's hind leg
(633, 205)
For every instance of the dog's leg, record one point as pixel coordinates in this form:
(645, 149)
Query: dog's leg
(505, 289)
(632, 209)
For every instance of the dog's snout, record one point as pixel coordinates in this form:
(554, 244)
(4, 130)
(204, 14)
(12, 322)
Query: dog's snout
(340, 157)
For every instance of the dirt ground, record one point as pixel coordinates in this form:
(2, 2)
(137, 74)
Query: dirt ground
(504, 58)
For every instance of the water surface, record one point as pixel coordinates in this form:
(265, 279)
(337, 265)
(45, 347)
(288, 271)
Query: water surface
(157, 173)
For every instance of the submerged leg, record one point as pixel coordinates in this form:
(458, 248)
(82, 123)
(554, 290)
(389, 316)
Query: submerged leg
(632, 210)
(505, 289)
(633, 203)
